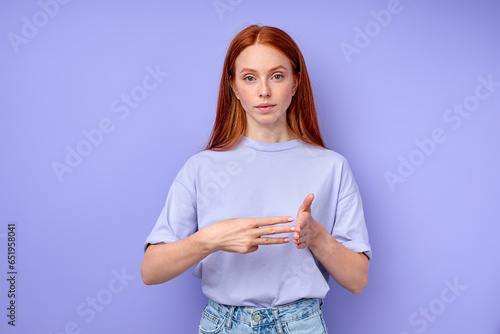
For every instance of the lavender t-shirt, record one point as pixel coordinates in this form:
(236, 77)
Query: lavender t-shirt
(256, 179)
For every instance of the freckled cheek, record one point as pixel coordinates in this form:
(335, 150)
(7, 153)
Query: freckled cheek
(245, 97)
(285, 94)
(249, 94)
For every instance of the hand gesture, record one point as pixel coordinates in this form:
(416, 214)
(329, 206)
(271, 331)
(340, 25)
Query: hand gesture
(306, 228)
(245, 235)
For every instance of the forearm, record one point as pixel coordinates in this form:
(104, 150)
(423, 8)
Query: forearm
(348, 268)
(163, 262)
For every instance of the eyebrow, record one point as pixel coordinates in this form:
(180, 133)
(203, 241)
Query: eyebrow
(271, 70)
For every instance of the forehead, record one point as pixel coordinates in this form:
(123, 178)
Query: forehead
(261, 57)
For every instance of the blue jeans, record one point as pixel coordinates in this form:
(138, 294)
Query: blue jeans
(302, 317)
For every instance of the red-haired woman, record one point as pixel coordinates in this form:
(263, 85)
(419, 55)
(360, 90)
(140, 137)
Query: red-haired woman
(242, 208)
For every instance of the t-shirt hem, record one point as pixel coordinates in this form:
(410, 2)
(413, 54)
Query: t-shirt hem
(359, 247)
(158, 240)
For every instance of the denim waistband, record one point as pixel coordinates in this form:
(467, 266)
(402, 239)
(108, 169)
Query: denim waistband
(265, 316)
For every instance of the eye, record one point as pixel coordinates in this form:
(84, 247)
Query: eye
(278, 76)
(249, 78)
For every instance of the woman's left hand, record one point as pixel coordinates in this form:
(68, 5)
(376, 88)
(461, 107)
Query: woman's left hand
(348, 268)
(306, 228)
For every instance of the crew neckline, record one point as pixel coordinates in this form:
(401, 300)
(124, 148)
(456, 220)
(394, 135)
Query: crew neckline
(269, 147)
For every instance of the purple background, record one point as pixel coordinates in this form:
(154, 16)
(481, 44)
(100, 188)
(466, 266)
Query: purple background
(77, 233)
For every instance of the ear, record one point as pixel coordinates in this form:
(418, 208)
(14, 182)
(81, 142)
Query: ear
(233, 87)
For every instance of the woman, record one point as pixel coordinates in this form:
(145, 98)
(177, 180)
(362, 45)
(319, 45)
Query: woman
(242, 209)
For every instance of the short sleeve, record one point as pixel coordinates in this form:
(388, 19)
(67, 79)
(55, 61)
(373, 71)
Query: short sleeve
(178, 219)
(349, 226)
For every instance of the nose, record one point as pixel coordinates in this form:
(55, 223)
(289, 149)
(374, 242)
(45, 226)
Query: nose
(264, 90)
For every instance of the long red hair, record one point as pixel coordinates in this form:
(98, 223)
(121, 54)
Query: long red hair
(230, 121)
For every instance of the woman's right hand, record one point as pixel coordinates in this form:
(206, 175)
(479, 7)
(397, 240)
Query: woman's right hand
(162, 262)
(245, 235)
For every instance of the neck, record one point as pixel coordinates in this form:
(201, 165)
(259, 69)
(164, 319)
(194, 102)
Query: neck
(270, 135)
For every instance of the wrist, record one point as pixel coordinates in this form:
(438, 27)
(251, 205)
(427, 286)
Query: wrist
(322, 242)
(319, 239)
(203, 243)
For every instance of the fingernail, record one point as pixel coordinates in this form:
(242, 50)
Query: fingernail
(287, 239)
(292, 228)
(290, 219)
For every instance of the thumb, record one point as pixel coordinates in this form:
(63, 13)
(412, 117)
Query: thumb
(306, 204)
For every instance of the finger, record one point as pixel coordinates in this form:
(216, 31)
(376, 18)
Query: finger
(301, 222)
(300, 237)
(272, 241)
(301, 244)
(266, 221)
(306, 204)
(275, 230)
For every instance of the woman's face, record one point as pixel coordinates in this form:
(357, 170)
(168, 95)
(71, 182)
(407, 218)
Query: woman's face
(264, 83)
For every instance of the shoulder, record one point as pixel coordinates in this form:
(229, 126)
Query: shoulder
(205, 159)
(205, 156)
(324, 156)
(329, 162)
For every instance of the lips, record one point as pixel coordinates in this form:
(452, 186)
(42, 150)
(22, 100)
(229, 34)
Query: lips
(265, 107)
